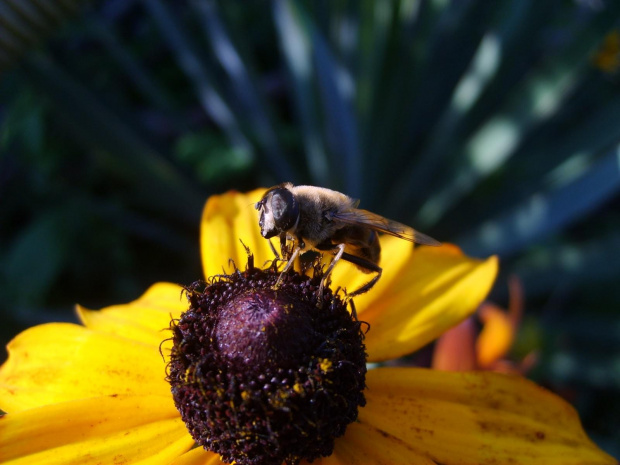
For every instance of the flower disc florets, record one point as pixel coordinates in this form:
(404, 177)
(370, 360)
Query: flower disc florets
(266, 374)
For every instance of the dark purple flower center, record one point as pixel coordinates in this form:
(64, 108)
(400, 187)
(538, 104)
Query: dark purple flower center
(264, 374)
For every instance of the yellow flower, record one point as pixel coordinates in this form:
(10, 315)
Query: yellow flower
(97, 393)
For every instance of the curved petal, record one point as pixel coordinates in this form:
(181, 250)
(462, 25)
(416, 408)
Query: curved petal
(496, 337)
(363, 443)
(421, 294)
(198, 456)
(111, 429)
(227, 220)
(476, 417)
(145, 320)
(58, 362)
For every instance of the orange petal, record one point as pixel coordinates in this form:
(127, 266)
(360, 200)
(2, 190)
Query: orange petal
(454, 351)
(120, 429)
(496, 337)
(421, 294)
(227, 220)
(475, 417)
(58, 362)
(146, 319)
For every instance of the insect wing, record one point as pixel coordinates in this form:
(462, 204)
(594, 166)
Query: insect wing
(371, 220)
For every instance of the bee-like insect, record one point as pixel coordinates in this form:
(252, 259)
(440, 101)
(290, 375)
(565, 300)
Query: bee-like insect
(327, 220)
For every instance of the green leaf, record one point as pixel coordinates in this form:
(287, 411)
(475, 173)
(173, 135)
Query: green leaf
(546, 212)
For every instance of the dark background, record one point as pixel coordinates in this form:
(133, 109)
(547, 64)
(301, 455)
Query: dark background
(494, 125)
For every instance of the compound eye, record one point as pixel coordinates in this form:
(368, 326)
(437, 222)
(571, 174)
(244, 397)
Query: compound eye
(284, 208)
(279, 206)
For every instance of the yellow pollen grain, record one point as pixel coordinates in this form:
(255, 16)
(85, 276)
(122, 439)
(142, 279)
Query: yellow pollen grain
(298, 388)
(245, 395)
(279, 399)
(325, 364)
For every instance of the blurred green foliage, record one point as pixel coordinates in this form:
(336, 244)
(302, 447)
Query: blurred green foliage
(493, 125)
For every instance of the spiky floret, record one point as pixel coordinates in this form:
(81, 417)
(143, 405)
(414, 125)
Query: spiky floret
(264, 373)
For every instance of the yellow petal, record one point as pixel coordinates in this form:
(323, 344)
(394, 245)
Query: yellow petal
(57, 362)
(198, 456)
(146, 319)
(476, 418)
(227, 220)
(99, 430)
(496, 336)
(365, 444)
(421, 294)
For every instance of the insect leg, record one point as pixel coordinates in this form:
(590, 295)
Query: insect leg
(284, 250)
(288, 265)
(367, 264)
(353, 310)
(274, 262)
(273, 249)
(337, 257)
(250, 255)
